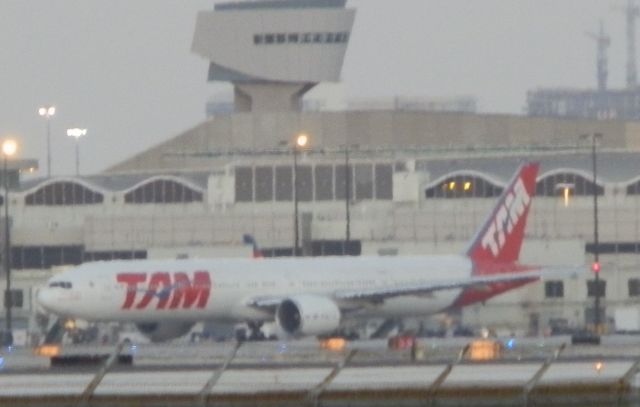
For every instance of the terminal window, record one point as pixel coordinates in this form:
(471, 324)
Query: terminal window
(364, 181)
(341, 182)
(554, 289)
(305, 184)
(44, 257)
(342, 37)
(162, 192)
(634, 287)
(14, 297)
(244, 184)
(613, 247)
(554, 185)
(284, 180)
(600, 288)
(115, 255)
(463, 186)
(322, 182)
(384, 181)
(264, 184)
(301, 38)
(63, 193)
(634, 189)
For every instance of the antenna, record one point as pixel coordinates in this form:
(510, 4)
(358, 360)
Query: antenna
(631, 12)
(603, 41)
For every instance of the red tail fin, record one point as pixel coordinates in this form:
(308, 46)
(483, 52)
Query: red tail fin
(500, 238)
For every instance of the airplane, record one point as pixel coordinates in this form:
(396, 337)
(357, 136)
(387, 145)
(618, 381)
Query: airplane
(305, 296)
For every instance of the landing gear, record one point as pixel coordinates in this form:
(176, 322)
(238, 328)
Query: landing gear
(256, 333)
(252, 332)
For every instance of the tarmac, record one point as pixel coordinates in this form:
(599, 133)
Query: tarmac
(531, 371)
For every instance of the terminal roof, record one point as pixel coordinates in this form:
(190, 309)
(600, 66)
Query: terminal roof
(280, 4)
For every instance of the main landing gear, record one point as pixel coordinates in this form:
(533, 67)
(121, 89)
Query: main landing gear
(252, 332)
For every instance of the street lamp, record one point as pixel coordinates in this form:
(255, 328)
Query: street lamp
(77, 133)
(348, 188)
(301, 142)
(48, 112)
(9, 148)
(596, 247)
(347, 198)
(565, 189)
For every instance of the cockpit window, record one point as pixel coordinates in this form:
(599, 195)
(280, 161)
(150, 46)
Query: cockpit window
(61, 284)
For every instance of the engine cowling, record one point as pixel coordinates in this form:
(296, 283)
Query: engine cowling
(164, 331)
(303, 315)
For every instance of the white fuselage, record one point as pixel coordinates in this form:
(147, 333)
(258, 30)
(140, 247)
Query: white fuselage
(95, 294)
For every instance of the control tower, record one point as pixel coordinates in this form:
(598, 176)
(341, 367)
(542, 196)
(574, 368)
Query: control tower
(274, 51)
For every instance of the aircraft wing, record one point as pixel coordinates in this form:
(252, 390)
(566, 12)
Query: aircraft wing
(379, 294)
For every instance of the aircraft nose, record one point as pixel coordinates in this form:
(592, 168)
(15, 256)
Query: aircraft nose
(47, 299)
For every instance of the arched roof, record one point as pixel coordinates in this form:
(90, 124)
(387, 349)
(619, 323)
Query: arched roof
(472, 173)
(582, 173)
(632, 181)
(612, 166)
(28, 188)
(173, 178)
(120, 182)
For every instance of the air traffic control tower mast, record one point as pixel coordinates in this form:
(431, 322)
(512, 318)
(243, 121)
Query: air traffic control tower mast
(274, 51)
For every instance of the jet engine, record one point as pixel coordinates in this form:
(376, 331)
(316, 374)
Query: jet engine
(164, 331)
(308, 314)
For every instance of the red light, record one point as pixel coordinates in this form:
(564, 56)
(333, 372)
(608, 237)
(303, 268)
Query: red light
(595, 267)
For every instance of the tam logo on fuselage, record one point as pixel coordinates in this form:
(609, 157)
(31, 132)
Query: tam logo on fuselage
(507, 217)
(172, 290)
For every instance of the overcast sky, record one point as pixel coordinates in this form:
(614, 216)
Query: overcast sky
(124, 70)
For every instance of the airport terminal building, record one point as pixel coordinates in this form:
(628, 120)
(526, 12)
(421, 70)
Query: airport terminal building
(369, 182)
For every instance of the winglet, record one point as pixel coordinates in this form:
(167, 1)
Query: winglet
(500, 238)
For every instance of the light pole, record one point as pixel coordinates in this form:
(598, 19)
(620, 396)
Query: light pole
(48, 112)
(596, 247)
(347, 198)
(300, 142)
(9, 148)
(77, 133)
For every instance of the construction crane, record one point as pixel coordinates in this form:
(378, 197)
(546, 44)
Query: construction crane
(631, 12)
(603, 41)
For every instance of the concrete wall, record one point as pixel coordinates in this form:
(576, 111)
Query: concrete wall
(204, 146)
